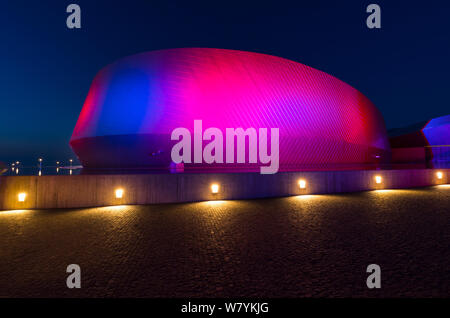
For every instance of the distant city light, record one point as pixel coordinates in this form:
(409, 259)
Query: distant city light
(40, 159)
(439, 175)
(22, 196)
(302, 183)
(378, 179)
(215, 188)
(119, 193)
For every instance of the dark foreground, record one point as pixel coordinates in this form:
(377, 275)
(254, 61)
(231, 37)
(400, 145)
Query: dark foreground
(301, 246)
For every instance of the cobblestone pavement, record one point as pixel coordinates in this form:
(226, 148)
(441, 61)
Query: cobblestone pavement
(300, 246)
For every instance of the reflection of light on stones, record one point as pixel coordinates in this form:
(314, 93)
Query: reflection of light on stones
(216, 208)
(215, 202)
(308, 202)
(399, 191)
(385, 191)
(112, 208)
(118, 219)
(9, 212)
(306, 197)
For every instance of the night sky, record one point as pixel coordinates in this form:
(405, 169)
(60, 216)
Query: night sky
(46, 68)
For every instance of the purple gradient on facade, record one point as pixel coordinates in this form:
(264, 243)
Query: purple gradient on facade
(437, 134)
(135, 103)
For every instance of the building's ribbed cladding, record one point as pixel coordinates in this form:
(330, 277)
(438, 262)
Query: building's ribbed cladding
(134, 104)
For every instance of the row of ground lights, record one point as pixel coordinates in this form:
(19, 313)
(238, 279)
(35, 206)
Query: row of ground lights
(215, 187)
(439, 176)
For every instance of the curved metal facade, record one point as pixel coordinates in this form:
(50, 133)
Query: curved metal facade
(437, 133)
(134, 104)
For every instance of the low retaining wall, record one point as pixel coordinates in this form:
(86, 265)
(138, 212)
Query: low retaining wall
(99, 190)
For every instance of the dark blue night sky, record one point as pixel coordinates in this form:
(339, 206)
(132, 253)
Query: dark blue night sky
(46, 68)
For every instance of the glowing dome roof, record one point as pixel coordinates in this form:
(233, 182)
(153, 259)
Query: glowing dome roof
(134, 104)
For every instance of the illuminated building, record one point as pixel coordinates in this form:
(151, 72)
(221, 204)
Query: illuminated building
(134, 104)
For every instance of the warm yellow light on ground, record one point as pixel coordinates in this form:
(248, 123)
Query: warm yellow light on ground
(22, 196)
(302, 184)
(378, 179)
(215, 188)
(119, 193)
(439, 175)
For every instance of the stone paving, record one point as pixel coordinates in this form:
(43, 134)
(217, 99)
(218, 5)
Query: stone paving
(304, 246)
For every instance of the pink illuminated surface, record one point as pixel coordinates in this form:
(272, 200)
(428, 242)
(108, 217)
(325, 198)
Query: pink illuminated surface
(322, 120)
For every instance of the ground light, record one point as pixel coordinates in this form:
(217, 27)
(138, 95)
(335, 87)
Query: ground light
(439, 175)
(21, 196)
(302, 183)
(378, 179)
(119, 193)
(215, 188)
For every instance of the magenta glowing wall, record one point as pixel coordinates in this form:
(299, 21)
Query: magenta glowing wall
(134, 104)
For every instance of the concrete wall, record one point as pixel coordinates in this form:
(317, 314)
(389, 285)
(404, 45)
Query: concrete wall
(99, 190)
